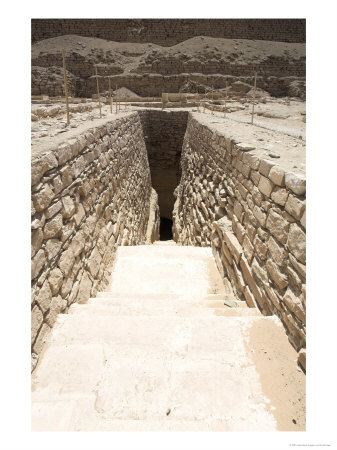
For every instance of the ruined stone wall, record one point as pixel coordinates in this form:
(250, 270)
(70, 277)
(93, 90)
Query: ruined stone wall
(171, 31)
(89, 195)
(164, 134)
(252, 213)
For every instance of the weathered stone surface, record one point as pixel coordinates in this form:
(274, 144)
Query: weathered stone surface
(55, 280)
(53, 246)
(56, 306)
(43, 198)
(248, 249)
(294, 206)
(260, 248)
(296, 242)
(265, 186)
(302, 358)
(66, 261)
(40, 340)
(94, 262)
(294, 304)
(279, 278)
(84, 289)
(260, 215)
(277, 226)
(37, 263)
(53, 209)
(44, 296)
(52, 227)
(279, 195)
(259, 272)
(79, 215)
(36, 322)
(36, 241)
(41, 164)
(277, 252)
(295, 183)
(265, 167)
(277, 175)
(233, 245)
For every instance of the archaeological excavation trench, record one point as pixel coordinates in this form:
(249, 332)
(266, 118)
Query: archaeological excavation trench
(150, 175)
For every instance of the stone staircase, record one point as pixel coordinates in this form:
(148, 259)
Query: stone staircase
(159, 351)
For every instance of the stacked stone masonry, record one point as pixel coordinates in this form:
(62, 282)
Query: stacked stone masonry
(252, 213)
(171, 31)
(89, 195)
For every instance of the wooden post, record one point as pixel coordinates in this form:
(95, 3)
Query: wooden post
(99, 98)
(116, 98)
(254, 98)
(65, 86)
(110, 95)
(226, 97)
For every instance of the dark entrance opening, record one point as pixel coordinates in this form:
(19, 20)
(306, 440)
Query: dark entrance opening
(165, 229)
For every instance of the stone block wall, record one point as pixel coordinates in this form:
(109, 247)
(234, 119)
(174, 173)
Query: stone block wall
(89, 195)
(252, 213)
(169, 32)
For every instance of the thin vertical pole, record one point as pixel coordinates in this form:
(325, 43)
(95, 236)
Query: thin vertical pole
(212, 98)
(99, 98)
(65, 86)
(226, 97)
(110, 95)
(116, 98)
(254, 98)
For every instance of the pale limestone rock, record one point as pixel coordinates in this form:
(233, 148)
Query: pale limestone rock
(279, 195)
(279, 278)
(36, 241)
(277, 175)
(259, 272)
(295, 183)
(79, 215)
(260, 248)
(233, 245)
(248, 249)
(68, 206)
(84, 289)
(299, 268)
(277, 252)
(36, 322)
(66, 261)
(53, 209)
(294, 206)
(265, 186)
(55, 280)
(56, 306)
(53, 246)
(52, 227)
(40, 340)
(303, 221)
(37, 263)
(94, 262)
(297, 242)
(43, 198)
(265, 167)
(260, 215)
(278, 226)
(41, 164)
(302, 358)
(44, 297)
(294, 304)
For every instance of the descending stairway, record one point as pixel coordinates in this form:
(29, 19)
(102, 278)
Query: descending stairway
(158, 351)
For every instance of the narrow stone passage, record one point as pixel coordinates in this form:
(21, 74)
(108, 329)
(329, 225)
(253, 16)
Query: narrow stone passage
(159, 350)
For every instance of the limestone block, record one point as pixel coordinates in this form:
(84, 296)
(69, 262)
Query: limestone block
(67, 174)
(303, 221)
(37, 263)
(38, 221)
(294, 304)
(279, 195)
(78, 166)
(233, 245)
(294, 277)
(249, 298)
(43, 198)
(240, 232)
(273, 296)
(36, 241)
(298, 267)
(259, 272)
(294, 206)
(94, 262)
(251, 160)
(296, 242)
(295, 183)
(44, 297)
(41, 164)
(84, 288)
(66, 261)
(277, 175)
(255, 177)
(276, 252)
(265, 186)
(66, 286)
(52, 227)
(55, 280)
(279, 278)
(226, 253)
(260, 248)
(260, 215)
(248, 249)
(68, 206)
(238, 210)
(40, 340)
(36, 322)
(78, 243)
(79, 215)
(53, 209)
(53, 246)
(248, 277)
(57, 184)
(257, 196)
(57, 304)
(265, 167)
(278, 226)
